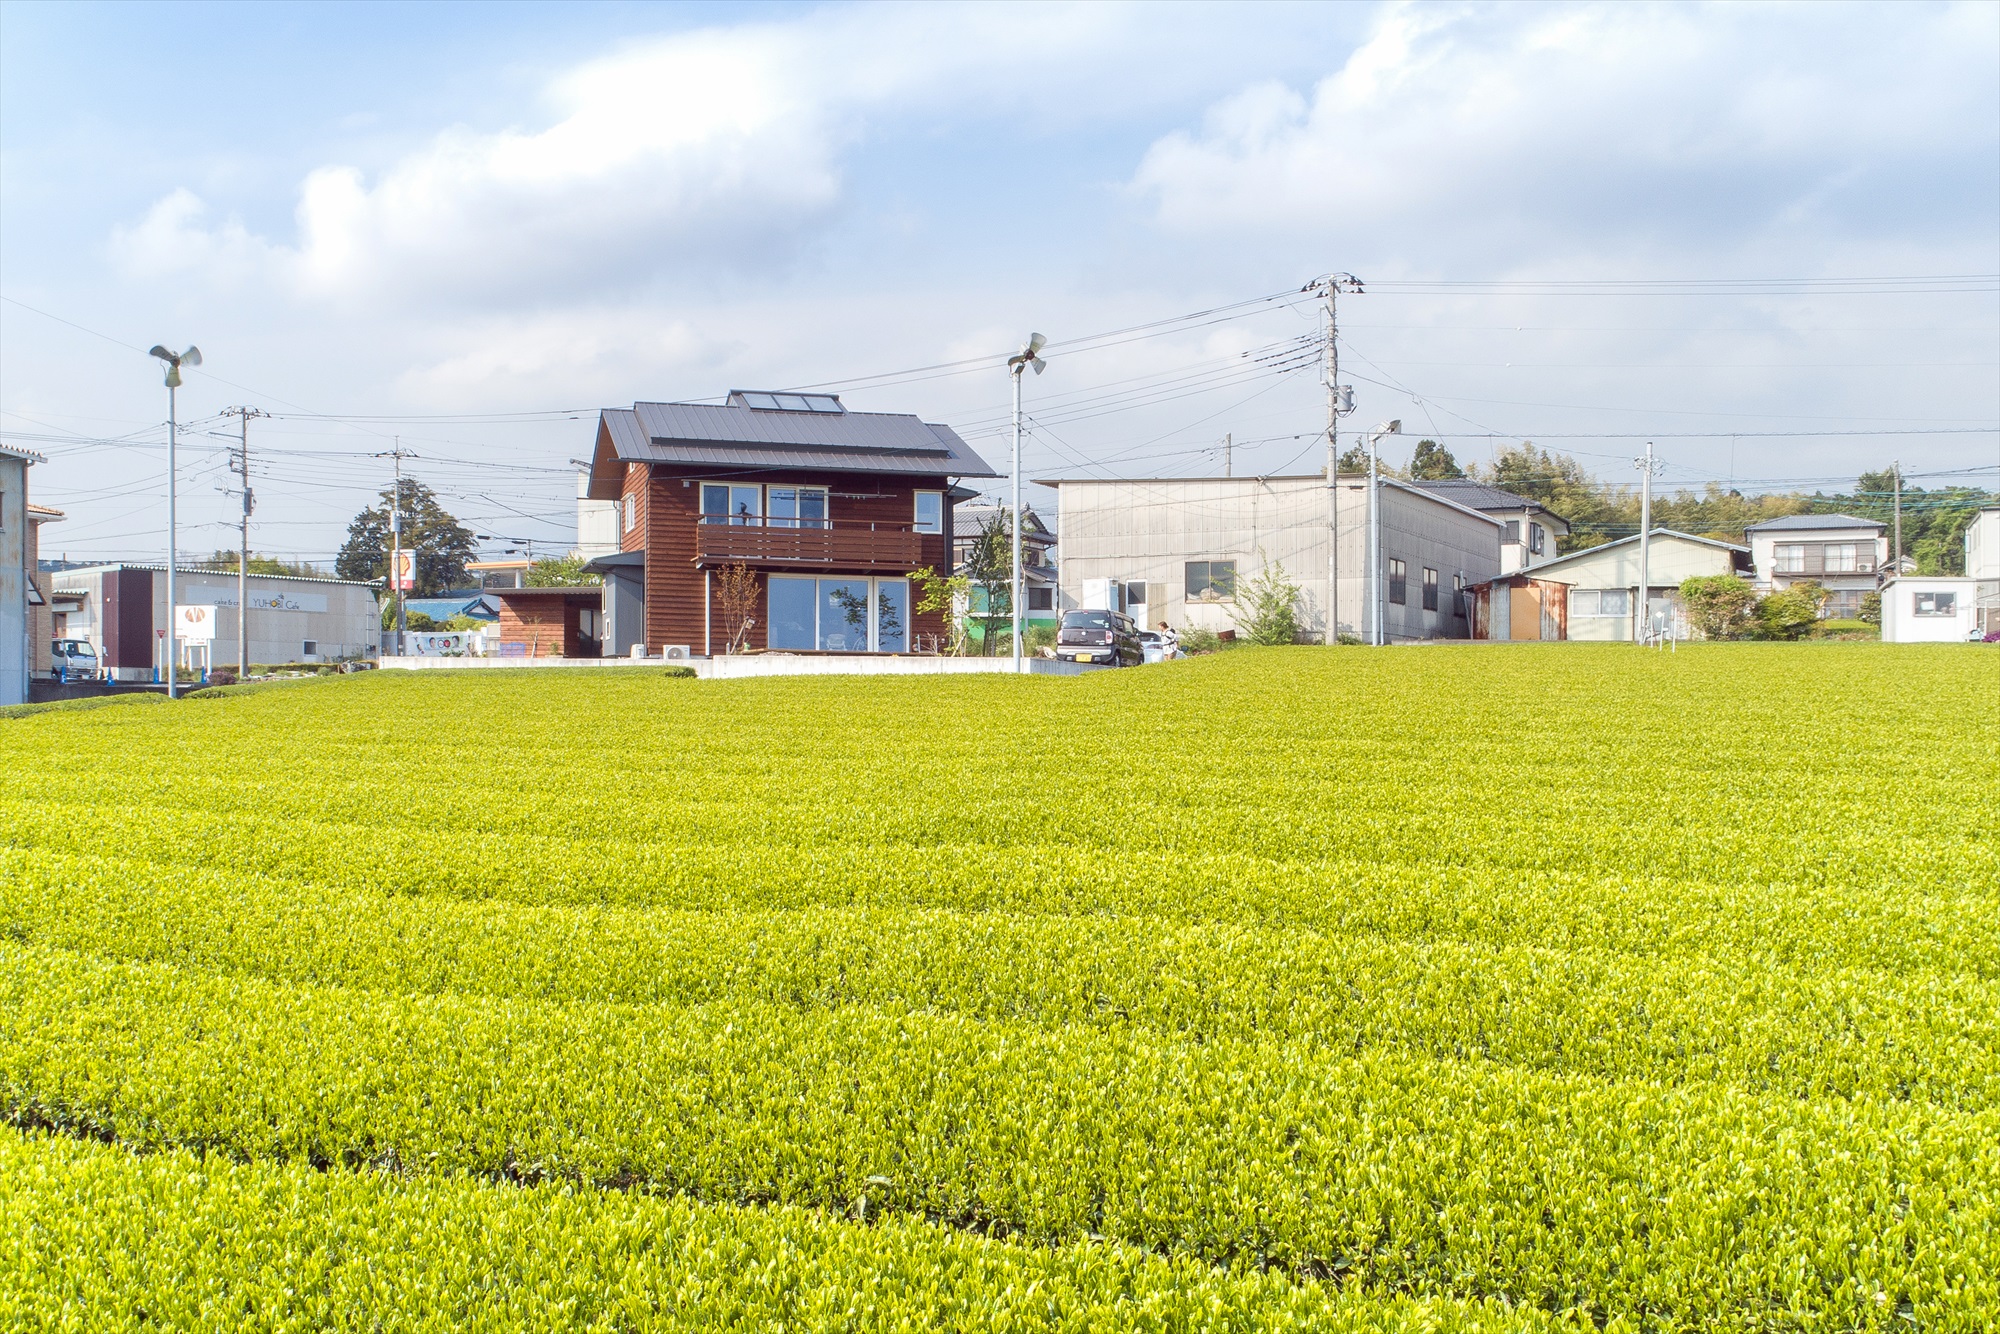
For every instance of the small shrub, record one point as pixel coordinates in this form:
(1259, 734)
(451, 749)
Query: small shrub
(1198, 639)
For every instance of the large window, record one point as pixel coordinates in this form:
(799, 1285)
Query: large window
(930, 512)
(1585, 602)
(724, 503)
(1789, 558)
(843, 615)
(1842, 558)
(1430, 589)
(1842, 604)
(1936, 604)
(1399, 583)
(1211, 580)
(798, 507)
(1512, 536)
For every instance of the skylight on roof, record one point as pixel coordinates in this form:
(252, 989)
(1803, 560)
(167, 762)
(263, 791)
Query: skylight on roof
(787, 402)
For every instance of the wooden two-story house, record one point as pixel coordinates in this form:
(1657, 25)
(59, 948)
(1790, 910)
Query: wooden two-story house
(829, 510)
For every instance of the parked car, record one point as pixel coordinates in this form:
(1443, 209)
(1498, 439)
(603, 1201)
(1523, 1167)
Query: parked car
(73, 658)
(1107, 637)
(1159, 645)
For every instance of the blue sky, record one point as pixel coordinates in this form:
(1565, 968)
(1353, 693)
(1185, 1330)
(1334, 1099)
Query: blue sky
(414, 220)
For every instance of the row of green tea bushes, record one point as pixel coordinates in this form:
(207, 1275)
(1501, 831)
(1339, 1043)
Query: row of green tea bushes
(95, 1239)
(1949, 929)
(1845, 1032)
(1397, 1173)
(1759, 793)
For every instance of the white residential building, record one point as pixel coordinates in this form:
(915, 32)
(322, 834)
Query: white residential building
(1839, 552)
(1982, 565)
(596, 522)
(1530, 532)
(1180, 549)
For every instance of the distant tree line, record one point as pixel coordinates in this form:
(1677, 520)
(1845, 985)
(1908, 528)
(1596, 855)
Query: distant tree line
(1934, 519)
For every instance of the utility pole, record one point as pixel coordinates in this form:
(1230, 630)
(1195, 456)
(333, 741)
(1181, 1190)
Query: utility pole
(242, 469)
(1896, 556)
(396, 542)
(1339, 402)
(1642, 622)
(1228, 448)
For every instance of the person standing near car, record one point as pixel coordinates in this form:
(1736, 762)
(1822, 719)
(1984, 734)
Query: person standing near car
(1171, 640)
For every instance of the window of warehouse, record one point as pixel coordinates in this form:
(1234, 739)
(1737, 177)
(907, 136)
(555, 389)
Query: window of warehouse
(1211, 580)
(1399, 583)
(1430, 589)
(1600, 602)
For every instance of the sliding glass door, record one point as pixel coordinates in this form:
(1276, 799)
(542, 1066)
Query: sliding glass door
(852, 614)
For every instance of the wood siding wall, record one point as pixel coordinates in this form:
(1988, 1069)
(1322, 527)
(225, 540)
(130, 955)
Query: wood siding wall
(677, 610)
(549, 626)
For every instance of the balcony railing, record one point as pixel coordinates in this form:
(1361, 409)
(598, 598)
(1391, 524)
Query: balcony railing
(862, 546)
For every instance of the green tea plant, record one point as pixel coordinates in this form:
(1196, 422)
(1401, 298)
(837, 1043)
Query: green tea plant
(1448, 989)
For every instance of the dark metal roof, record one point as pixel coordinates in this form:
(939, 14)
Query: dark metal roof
(1810, 521)
(734, 436)
(1479, 496)
(617, 560)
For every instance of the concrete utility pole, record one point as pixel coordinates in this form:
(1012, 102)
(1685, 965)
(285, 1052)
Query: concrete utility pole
(1228, 448)
(1376, 601)
(1896, 555)
(1642, 622)
(396, 543)
(1339, 402)
(1029, 355)
(242, 469)
(174, 361)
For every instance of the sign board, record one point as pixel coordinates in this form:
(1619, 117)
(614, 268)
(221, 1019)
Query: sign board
(406, 569)
(195, 623)
(438, 643)
(261, 600)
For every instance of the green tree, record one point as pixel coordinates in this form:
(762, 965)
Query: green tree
(1719, 605)
(261, 564)
(1433, 463)
(1791, 612)
(1267, 607)
(936, 592)
(443, 545)
(989, 566)
(1595, 511)
(417, 620)
(1871, 608)
(561, 572)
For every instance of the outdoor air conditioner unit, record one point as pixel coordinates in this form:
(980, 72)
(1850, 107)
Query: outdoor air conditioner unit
(677, 652)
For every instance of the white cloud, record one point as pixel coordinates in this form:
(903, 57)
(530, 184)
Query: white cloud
(720, 148)
(1484, 139)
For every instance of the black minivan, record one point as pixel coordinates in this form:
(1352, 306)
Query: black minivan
(1107, 637)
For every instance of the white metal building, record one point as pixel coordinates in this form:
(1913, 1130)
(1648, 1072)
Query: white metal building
(1177, 549)
(1926, 609)
(20, 597)
(122, 611)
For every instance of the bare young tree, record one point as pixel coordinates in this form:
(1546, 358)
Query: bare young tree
(736, 597)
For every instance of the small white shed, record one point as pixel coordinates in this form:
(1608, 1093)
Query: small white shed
(1920, 609)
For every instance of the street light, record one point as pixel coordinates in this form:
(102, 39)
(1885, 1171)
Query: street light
(1375, 523)
(1029, 355)
(174, 360)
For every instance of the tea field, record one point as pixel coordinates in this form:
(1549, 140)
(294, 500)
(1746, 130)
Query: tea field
(1449, 989)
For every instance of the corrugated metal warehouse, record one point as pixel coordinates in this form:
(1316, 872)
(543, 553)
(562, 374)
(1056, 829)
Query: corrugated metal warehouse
(1176, 549)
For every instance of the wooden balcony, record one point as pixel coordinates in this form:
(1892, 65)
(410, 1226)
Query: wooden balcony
(846, 546)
